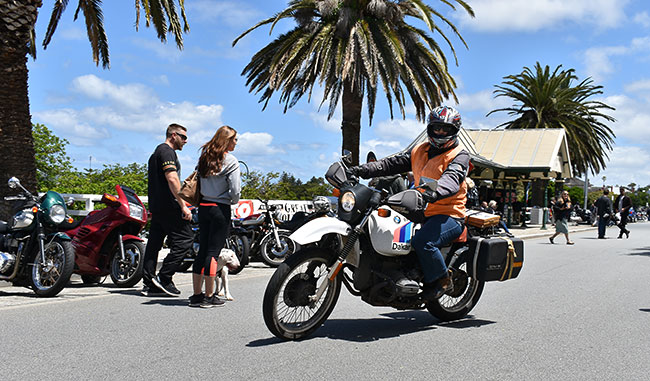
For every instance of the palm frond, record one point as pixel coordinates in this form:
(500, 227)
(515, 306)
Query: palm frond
(57, 11)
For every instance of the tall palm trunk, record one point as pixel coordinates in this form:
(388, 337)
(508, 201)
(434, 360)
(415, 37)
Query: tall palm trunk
(17, 19)
(351, 125)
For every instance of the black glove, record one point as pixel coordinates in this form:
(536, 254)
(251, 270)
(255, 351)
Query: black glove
(429, 196)
(353, 172)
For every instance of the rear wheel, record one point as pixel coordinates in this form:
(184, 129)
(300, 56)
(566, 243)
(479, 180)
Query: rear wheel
(456, 304)
(288, 307)
(272, 254)
(50, 276)
(128, 272)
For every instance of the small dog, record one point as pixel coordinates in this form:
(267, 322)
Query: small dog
(227, 260)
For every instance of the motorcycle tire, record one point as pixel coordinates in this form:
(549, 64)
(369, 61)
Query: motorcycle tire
(128, 273)
(240, 245)
(273, 256)
(287, 312)
(457, 303)
(91, 279)
(59, 255)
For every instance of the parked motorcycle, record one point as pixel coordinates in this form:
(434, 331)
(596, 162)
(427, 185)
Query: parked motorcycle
(583, 214)
(107, 241)
(34, 251)
(237, 241)
(269, 236)
(367, 248)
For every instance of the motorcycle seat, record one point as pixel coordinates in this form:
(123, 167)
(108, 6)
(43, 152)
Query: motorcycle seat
(4, 227)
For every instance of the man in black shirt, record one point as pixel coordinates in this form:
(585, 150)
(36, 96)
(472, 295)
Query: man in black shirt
(170, 217)
(604, 207)
(622, 205)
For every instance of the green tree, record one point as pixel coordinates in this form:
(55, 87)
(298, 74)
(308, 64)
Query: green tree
(348, 47)
(52, 160)
(545, 99)
(17, 36)
(275, 186)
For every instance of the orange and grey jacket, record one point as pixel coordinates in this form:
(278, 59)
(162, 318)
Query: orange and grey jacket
(448, 167)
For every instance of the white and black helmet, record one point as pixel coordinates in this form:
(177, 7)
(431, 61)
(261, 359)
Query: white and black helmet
(445, 118)
(321, 204)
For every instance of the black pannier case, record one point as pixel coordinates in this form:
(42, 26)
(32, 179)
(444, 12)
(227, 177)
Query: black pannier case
(495, 258)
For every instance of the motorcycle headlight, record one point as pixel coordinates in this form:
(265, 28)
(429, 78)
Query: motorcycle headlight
(57, 214)
(348, 201)
(135, 211)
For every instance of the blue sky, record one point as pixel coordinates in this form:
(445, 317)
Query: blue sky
(120, 115)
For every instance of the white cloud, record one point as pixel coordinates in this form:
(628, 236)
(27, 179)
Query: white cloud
(133, 96)
(642, 19)
(534, 15)
(627, 165)
(256, 144)
(598, 59)
(638, 86)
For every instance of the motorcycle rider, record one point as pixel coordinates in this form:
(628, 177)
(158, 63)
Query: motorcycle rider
(440, 158)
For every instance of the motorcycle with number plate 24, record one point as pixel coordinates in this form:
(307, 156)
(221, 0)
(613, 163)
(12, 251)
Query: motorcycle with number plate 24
(34, 250)
(367, 248)
(107, 241)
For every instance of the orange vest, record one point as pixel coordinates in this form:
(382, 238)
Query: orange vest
(433, 168)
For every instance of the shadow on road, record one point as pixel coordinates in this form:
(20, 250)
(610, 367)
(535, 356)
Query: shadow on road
(642, 251)
(393, 324)
(644, 309)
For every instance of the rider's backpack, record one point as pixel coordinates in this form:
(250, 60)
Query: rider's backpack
(495, 258)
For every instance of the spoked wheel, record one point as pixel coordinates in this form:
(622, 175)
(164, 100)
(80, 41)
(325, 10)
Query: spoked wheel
(240, 245)
(459, 302)
(289, 309)
(128, 272)
(273, 254)
(48, 278)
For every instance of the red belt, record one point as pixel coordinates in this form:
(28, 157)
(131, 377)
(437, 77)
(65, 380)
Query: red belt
(208, 204)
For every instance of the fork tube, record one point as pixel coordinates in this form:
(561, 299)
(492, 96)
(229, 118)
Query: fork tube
(119, 242)
(275, 232)
(41, 246)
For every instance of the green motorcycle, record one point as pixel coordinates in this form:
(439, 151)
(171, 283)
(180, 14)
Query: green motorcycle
(34, 251)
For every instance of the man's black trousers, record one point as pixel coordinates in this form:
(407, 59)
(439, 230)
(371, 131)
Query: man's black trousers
(180, 240)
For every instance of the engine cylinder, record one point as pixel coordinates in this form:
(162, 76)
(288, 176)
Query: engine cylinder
(7, 261)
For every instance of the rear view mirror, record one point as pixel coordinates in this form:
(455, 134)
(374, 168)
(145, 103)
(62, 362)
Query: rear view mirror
(347, 157)
(428, 184)
(13, 183)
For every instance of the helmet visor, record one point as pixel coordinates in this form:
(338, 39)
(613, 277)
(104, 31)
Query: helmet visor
(438, 129)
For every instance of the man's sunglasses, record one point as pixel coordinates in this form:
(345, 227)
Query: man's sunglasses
(184, 137)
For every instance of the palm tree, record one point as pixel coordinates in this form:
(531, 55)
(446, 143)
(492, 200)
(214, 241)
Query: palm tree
(348, 46)
(17, 39)
(549, 100)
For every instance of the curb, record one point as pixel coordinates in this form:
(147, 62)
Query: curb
(550, 232)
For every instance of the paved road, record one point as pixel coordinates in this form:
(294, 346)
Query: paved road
(576, 312)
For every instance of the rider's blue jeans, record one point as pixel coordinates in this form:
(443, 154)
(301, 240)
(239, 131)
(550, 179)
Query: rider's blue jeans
(435, 232)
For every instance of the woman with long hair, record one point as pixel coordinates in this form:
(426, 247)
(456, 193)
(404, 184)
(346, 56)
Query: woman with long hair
(220, 187)
(563, 210)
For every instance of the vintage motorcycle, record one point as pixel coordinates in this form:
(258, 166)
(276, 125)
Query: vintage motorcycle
(107, 242)
(367, 248)
(34, 250)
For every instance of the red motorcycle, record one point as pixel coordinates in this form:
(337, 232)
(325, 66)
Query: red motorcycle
(107, 242)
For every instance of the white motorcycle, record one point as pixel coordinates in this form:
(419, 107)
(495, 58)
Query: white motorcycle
(367, 248)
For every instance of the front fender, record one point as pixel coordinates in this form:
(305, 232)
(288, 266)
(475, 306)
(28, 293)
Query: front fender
(315, 229)
(60, 235)
(128, 237)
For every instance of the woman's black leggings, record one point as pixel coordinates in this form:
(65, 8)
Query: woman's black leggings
(214, 225)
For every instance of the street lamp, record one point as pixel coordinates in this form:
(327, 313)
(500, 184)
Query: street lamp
(545, 214)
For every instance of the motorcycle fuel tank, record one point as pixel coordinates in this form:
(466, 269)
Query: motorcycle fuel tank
(391, 235)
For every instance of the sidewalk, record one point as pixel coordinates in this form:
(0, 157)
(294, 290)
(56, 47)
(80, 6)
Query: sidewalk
(535, 231)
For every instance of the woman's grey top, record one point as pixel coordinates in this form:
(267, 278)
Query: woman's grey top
(225, 187)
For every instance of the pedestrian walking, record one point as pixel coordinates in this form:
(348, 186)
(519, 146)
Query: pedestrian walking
(622, 206)
(220, 188)
(604, 209)
(562, 213)
(170, 217)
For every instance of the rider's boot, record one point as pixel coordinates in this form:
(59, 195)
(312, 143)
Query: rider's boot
(434, 290)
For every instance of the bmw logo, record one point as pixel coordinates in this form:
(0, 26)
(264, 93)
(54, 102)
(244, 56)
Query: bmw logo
(397, 219)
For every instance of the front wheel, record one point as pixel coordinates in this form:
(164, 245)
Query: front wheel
(274, 254)
(128, 272)
(289, 311)
(240, 245)
(48, 278)
(457, 303)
